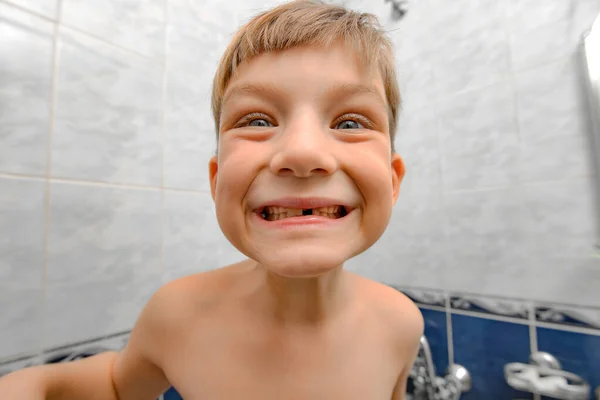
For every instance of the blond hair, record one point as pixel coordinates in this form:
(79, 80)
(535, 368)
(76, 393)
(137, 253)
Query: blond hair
(311, 22)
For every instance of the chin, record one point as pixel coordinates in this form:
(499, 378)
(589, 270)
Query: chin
(302, 262)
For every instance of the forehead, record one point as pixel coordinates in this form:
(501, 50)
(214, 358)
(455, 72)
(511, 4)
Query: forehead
(308, 70)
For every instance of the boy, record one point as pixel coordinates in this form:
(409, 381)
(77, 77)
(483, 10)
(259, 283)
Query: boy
(305, 103)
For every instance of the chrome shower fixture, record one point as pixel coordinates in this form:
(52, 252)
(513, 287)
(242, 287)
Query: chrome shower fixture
(398, 8)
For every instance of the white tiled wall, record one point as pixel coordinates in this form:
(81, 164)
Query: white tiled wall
(106, 131)
(105, 136)
(499, 193)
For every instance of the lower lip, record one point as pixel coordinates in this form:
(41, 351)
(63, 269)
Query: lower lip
(308, 221)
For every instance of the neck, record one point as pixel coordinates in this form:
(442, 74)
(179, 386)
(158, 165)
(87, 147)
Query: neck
(308, 301)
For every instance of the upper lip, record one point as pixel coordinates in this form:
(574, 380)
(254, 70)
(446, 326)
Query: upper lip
(304, 203)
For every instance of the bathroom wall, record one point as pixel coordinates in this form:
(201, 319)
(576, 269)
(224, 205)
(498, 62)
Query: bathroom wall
(495, 234)
(484, 333)
(499, 196)
(105, 132)
(105, 135)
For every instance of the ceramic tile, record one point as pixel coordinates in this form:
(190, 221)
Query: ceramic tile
(490, 306)
(104, 251)
(568, 315)
(102, 307)
(21, 232)
(584, 14)
(425, 297)
(412, 250)
(382, 263)
(483, 347)
(416, 224)
(476, 61)
(98, 233)
(550, 101)
(571, 280)
(193, 241)
(563, 218)
(520, 12)
(81, 349)
(172, 394)
(108, 114)
(206, 27)
(134, 25)
(497, 166)
(542, 44)
(577, 353)
(478, 122)
(20, 320)
(190, 138)
(556, 157)
(437, 337)
(487, 242)
(417, 143)
(25, 82)
(416, 79)
(46, 8)
(464, 18)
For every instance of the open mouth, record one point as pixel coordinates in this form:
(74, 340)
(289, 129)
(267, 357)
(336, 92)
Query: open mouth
(270, 213)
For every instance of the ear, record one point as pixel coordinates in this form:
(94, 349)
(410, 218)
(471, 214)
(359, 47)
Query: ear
(398, 170)
(213, 169)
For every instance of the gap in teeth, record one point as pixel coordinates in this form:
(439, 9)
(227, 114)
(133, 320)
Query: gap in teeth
(273, 213)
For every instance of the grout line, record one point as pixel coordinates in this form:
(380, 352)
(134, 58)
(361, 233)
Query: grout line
(111, 44)
(449, 332)
(17, 176)
(498, 297)
(47, 191)
(518, 184)
(70, 181)
(161, 271)
(31, 356)
(78, 30)
(431, 307)
(164, 91)
(491, 317)
(569, 328)
(28, 11)
(533, 344)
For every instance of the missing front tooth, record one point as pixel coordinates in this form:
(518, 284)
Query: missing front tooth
(307, 211)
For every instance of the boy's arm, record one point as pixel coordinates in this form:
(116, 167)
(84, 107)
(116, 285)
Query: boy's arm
(410, 334)
(132, 374)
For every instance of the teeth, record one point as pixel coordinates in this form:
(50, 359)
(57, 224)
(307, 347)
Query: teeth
(273, 213)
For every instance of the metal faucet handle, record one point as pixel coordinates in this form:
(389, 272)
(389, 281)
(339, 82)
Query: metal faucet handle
(460, 376)
(545, 360)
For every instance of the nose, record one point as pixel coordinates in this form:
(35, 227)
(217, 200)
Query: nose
(304, 151)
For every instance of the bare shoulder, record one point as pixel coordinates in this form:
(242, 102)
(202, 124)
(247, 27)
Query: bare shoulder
(397, 312)
(177, 305)
(188, 295)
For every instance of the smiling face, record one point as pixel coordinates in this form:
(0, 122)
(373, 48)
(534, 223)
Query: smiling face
(304, 178)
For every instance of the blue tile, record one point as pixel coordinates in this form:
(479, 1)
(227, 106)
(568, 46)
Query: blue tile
(437, 336)
(172, 394)
(484, 346)
(577, 352)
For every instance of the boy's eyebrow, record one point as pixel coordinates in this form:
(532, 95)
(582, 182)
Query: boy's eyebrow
(336, 91)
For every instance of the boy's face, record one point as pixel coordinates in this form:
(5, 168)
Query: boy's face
(304, 128)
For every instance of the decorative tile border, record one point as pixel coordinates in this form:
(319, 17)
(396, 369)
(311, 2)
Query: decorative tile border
(425, 297)
(491, 306)
(562, 315)
(113, 342)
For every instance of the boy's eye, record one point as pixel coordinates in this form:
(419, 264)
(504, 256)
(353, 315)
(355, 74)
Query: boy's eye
(259, 122)
(353, 121)
(349, 124)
